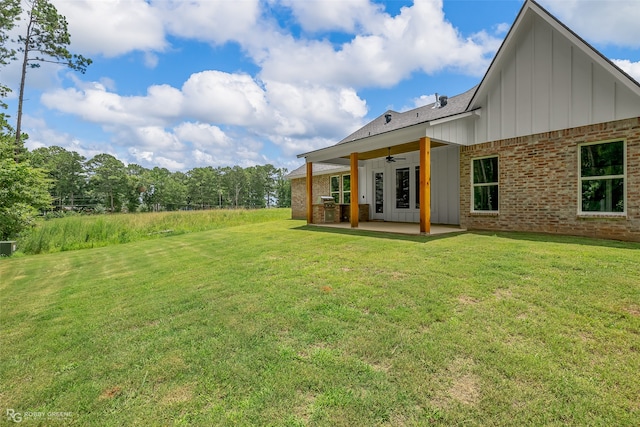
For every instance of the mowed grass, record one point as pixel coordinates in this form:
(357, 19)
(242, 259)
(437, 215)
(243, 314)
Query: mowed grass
(93, 231)
(287, 325)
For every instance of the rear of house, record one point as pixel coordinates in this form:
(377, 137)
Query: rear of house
(549, 141)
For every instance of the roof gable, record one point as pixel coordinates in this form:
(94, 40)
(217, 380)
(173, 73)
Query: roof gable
(544, 77)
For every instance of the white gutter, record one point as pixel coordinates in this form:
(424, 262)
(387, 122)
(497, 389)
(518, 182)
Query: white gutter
(456, 117)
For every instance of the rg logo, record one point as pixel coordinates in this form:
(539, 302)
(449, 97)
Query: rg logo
(14, 416)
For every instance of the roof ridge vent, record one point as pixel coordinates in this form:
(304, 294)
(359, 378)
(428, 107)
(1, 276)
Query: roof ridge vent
(437, 104)
(387, 117)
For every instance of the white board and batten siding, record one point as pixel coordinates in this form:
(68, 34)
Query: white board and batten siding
(544, 81)
(459, 132)
(445, 186)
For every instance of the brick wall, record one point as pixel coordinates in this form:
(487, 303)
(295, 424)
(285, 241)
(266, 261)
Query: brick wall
(538, 183)
(299, 194)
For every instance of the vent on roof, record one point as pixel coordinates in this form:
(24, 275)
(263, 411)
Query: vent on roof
(387, 117)
(441, 101)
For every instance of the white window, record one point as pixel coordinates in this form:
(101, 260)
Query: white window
(484, 178)
(341, 188)
(602, 177)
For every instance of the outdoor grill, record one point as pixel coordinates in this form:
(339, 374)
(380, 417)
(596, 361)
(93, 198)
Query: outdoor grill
(329, 208)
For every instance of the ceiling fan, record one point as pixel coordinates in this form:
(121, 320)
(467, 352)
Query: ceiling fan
(391, 159)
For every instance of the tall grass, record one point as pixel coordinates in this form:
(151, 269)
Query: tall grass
(82, 232)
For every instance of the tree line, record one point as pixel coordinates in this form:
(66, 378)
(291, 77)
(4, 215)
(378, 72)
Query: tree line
(53, 178)
(80, 184)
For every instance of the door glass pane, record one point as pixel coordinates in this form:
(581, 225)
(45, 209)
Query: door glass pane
(378, 178)
(402, 188)
(417, 186)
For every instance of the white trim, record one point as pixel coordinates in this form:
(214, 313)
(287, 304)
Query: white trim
(456, 117)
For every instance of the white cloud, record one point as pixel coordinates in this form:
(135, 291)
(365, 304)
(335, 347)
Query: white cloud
(112, 27)
(313, 111)
(600, 21)
(419, 38)
(151, 60)
(344, 15)
(502, 29)
(186, 125)
(214, 21)
(217, 97)
(140, 155)
(420, 101)
(631, 68)
(94, 103)
(41, 135)
(202, 135)
(158, 139)
(170, 164)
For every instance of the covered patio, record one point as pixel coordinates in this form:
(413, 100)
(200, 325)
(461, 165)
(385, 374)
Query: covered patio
(407, 228)
(402, 169)
(355, 159)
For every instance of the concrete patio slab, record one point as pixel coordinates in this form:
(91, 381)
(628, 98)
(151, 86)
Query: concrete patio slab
(395, 227)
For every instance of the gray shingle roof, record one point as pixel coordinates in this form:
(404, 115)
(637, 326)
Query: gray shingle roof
(318, 169)
(455, 105)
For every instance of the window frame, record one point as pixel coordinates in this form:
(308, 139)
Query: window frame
(339, 194)
(484, 184)
(622, 176)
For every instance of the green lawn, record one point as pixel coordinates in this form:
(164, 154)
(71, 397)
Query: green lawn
(278, 323)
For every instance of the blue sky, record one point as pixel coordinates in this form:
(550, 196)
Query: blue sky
(181, 84)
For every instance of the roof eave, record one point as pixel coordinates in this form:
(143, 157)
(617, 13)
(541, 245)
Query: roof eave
(370, 143)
